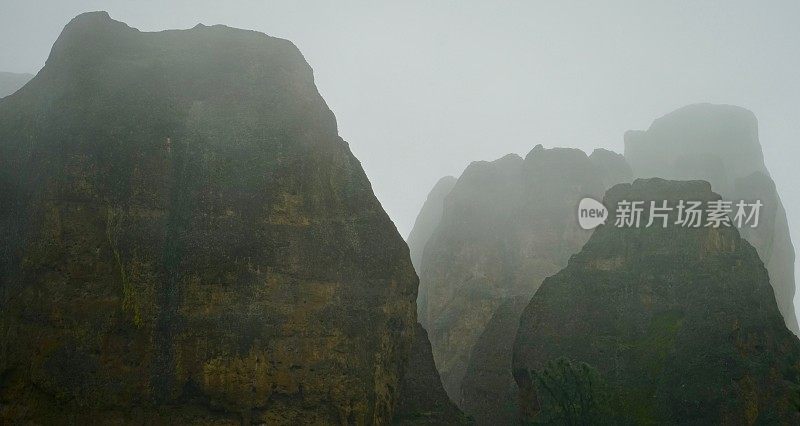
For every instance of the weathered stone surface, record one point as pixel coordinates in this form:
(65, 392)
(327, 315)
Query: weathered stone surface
(506, 225)
(11, 82)
(681, 322)
(428, 219)
(719, 144)
(422, 397)
(185, 238)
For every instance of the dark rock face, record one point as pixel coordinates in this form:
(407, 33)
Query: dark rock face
(428, 219)
(680, 322)
(506, 225)
(11, 82)
(185, 238)
(719, 144)
(422, 397)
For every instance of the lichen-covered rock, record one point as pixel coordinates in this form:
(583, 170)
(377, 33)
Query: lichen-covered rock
(185, 238)
(428, 219)
(680, 322)
(719, 144)
(506, 225)
(422, 397)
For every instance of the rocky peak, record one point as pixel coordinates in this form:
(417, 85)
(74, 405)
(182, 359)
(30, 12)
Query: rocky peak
(680, 323)
(720, 144)
(184, 238)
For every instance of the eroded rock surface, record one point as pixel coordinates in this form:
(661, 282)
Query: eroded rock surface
(185, 238)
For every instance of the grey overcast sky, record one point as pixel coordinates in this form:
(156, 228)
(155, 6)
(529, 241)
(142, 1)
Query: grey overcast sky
(420, 89)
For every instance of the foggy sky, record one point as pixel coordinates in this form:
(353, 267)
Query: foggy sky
(420, 89)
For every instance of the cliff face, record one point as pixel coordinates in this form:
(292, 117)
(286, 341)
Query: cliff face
(719, 144)
(428, 219)
(185, 238)
(506, 225)
(681, 323)
(11, 82)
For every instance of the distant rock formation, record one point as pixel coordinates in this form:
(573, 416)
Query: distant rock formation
(422, 397)
(11, 82)
(506, 225)
(184, 238)
(428, 219)
(613, 167)
(680, 322)
(719, 144)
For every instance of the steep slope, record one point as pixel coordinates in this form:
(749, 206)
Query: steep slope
(680, 322)
(11, 82)
(185, 238)
(719, 144)
(428, 219)
(506, 225)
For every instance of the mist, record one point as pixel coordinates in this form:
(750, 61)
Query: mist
(421, 89)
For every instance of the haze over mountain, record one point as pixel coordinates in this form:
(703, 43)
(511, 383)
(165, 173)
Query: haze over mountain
(428, 219)
(505, 226)
(184, 238)
(478, 80)
(185, 235)
(481, 80)
(720, 144)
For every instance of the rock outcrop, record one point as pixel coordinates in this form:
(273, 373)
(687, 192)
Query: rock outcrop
(719, 144)
(185, 238)
(428, 219)
(680, 322)
(506, 225)
(11, 82)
